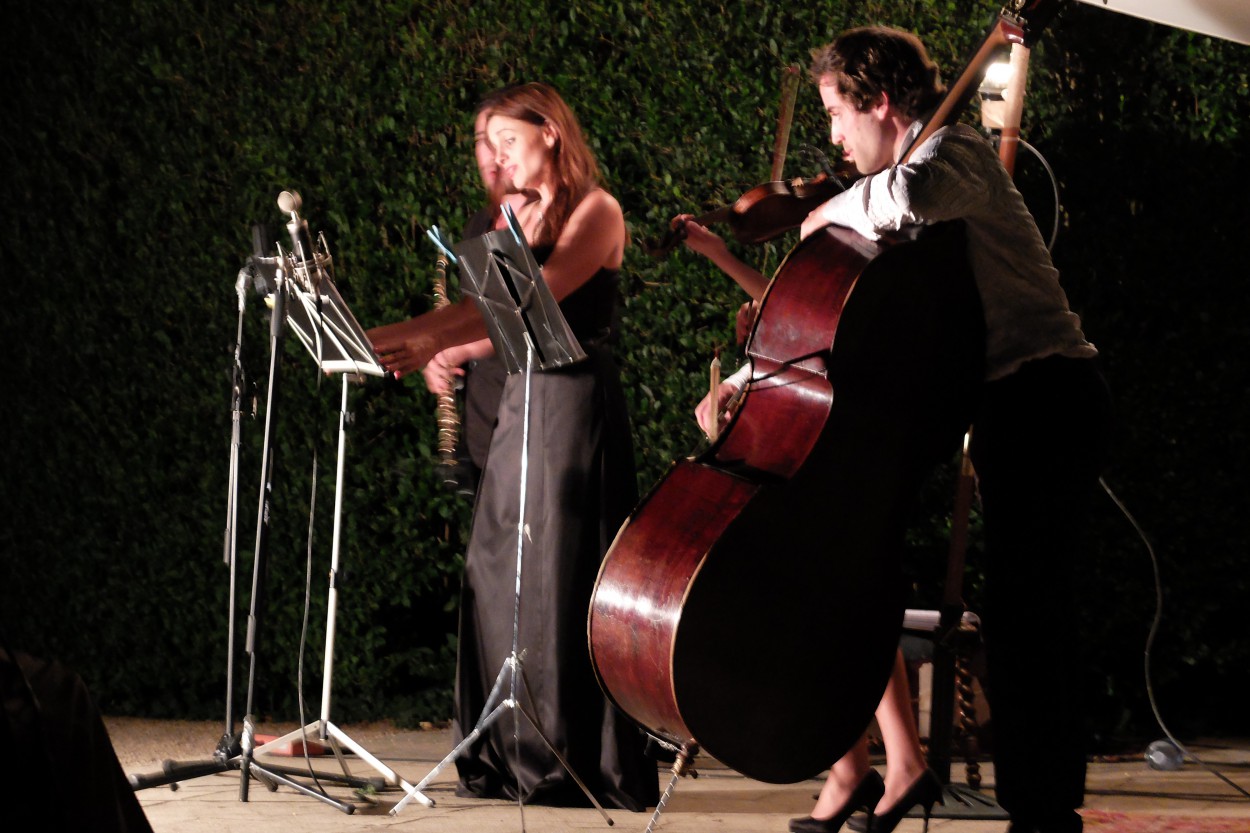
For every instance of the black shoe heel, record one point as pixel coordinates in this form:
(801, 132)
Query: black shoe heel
(924, 792)
(865, 796)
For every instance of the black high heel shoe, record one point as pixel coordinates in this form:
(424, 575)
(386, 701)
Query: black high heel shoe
(925, 791)
(866, 795)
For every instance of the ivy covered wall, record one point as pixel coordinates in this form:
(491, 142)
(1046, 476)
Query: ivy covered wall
(142, 139)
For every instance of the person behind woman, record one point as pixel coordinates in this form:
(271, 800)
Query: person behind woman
(581, 480)
(1039, 434)
(483, 377)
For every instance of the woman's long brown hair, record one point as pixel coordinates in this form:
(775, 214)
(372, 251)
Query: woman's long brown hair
(576, 172)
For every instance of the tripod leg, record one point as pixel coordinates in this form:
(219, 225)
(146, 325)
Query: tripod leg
(336, 736)
(533, 719)
(482, 724)
(174, 771)
(263, 774)
(538, 730)
(489, 712)
(338, 756)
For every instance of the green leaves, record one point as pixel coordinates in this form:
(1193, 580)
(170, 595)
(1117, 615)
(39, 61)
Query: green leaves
(145, 141)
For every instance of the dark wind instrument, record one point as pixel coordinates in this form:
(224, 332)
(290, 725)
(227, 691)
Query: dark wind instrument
(448, 418)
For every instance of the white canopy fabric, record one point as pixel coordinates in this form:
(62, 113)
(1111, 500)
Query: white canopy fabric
(1229, 19)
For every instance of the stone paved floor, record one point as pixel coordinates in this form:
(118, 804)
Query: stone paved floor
(1124, 796)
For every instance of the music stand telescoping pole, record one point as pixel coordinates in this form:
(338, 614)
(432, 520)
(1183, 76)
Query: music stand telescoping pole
(528, 332)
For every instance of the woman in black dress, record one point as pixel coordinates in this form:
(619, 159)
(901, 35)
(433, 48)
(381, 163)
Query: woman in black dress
(580, 483)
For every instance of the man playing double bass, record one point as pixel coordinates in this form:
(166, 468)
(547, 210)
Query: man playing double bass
(1039, 436)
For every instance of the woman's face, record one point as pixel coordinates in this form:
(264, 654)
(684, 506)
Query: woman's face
(522, 150)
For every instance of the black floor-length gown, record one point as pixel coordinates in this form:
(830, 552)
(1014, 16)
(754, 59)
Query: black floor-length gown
(581, 485)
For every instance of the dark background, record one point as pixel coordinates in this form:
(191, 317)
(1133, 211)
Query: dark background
(142, 139)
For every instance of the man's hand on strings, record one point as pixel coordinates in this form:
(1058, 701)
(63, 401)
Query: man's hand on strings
(745, 320)
(703, 411)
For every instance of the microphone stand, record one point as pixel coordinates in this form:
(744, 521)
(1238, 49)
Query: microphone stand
(234, 751)
(228, 746)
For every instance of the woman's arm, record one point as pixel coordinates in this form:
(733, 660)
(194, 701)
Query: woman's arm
(712, 246)
(408, 346)
(592, 239)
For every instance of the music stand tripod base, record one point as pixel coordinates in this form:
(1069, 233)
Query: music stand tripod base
(323, 728)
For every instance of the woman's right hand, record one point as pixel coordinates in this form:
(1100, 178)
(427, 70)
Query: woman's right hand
(408, 346)
(405, 346)
(403, 356)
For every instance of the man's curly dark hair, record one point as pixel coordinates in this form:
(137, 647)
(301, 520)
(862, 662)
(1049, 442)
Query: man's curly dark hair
(863, 63)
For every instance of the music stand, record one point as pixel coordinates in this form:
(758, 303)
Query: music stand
(326, 327)
(528, 332)
(506, 284)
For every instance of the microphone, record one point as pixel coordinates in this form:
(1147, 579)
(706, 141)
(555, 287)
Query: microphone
(289, 202)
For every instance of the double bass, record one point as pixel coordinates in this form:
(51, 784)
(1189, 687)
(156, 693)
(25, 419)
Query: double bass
(751, 604)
